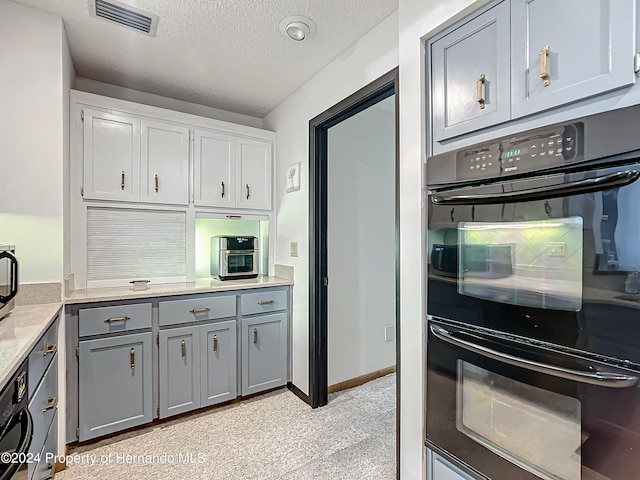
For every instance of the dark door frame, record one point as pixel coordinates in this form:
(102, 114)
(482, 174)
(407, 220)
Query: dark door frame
(378, 90)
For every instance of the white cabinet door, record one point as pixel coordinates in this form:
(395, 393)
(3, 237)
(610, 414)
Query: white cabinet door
(254, 179)
(165, 161)
(214, 169)
(111, 156)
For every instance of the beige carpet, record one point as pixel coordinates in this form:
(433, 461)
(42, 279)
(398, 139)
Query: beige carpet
(274, 436)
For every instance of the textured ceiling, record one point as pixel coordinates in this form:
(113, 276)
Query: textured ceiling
(227, 54)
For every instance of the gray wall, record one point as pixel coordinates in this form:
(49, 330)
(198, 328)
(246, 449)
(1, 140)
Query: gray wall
(361, 243)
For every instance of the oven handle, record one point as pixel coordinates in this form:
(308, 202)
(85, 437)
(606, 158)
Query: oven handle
(604, 182)
(24, 417)
(601, 379)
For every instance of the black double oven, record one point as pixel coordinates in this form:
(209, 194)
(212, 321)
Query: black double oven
(533, 303)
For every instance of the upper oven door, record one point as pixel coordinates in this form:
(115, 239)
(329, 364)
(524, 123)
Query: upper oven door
(517, 411)
(553, 258)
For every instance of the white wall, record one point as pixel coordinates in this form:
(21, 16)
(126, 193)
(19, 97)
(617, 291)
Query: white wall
(417, 18)
(361, 243)
(371, 57)
(115, 91)
(33, 138)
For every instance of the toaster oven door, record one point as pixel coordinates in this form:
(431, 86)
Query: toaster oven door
(240, 262)
(8, 277)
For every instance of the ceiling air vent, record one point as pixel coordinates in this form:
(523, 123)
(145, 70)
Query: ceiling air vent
(124, 15)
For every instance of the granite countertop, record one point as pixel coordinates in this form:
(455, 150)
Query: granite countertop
(201, 285)
(20, 331)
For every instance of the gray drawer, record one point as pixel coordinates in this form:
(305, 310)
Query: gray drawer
(41, 356)
(43, 406)
(122, 318)
(196, 309)
(42, 469)
(264, 301)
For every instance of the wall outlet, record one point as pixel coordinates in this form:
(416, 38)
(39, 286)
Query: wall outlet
(294, 249)
(556, 249)
(389, 331)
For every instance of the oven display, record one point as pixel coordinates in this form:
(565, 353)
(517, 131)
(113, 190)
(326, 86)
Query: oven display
(510, 156)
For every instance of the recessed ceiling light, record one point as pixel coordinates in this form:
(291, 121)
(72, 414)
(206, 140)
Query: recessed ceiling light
(297, 27)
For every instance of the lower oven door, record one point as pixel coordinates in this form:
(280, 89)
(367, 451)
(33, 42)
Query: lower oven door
(240, 262)
(509, 409)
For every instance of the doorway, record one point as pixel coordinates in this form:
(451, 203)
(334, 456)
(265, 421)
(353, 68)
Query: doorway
(319, 202)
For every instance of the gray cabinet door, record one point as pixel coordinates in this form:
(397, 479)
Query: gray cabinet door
(218, 363)
(114, 384)
(179, 370)
(264, 352)
(590, 50)
(470, 75)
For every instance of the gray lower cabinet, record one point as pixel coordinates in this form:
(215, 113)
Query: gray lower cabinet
(179, 353)
(565, 51)
(441, 469)
(115, 392)
(470, 75)
(218, 353)
(264, 352)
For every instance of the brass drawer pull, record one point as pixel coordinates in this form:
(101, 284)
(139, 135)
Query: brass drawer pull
(266, 302)
(122, 180)
(50, 350)
(544, 74)
(52, 403)
(480, 85)
(133, 358)
(184, 349)
(222, 195)
(157, 184)
(200, 310)
(215, 343)
(255, 336)
(117, 319)
(133, 282)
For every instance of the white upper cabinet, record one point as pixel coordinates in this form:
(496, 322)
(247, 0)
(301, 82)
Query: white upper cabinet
(231, 171)
(111, 156)
(214, 169)
(564, 51)
(254, 179)
(165, 162)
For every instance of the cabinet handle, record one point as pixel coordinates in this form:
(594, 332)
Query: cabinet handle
(480, 85)
(184, 349)
(133, 282)
(117, 319)
(222, 195)
(215, 343)
(157, 184)
(133, 358)
(200, 310)
(544, 74)
(266, 302)
(52, 403)
(122, 180)
(234, 217)
(248, 191)
(255, 336)
(50, 350)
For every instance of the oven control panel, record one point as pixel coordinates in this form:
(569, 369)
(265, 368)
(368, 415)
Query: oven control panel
(538, 149)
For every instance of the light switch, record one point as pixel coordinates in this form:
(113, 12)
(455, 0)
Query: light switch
(294, 249)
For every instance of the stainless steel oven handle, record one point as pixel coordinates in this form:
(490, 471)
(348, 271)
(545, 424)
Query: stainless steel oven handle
(601, 379)
(603, 182)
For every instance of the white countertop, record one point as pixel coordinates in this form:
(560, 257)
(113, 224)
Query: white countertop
(20, 331)
(201, 285)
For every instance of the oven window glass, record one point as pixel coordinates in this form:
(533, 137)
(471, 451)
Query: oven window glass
(534, 428)
(242, 263)
(533, 263)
